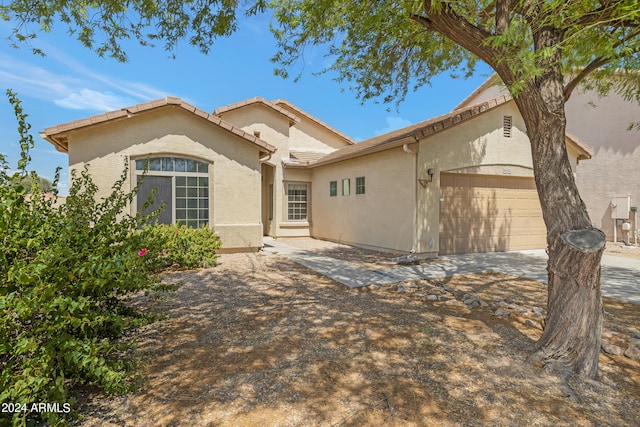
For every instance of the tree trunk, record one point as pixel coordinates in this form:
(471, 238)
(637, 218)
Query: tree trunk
(573, 329)
(572, 334)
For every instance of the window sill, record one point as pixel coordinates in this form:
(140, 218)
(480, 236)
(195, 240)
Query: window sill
(294, 224)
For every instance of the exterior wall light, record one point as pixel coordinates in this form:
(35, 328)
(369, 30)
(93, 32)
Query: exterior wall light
(425, 181)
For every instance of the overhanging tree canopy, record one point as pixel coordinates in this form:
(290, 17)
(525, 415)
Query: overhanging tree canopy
(541, 49)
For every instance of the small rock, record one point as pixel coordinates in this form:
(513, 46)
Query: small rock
(501, 313)
(537, 310)
(633, 352)
(401, 289)
(471, 300)
(634, 341)
(374, 287)
(635, 334)
(432, 297)
(443, 298)
(512, 306)
(531, 323)
(510, 300)
(612, 349)
(498, 299)
(454, 302)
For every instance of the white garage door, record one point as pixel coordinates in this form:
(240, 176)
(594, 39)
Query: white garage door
(481, 213)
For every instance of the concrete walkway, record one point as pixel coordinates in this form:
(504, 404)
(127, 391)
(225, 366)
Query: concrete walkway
(620, 276)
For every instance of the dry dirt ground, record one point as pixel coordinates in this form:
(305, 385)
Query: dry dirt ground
(620, 249)
(261, 341)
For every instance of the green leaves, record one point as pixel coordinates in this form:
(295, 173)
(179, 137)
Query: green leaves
(102, 25)
(66, 271)
(170, 246)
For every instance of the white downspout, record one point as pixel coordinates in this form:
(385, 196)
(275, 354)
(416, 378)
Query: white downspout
(405, 148)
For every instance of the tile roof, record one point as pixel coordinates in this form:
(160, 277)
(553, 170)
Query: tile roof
(301, 112)
(58, 135)
(411, 133)
(586, 151)
(303, 158)
(414, 133)
(491, 81)
(260, 101)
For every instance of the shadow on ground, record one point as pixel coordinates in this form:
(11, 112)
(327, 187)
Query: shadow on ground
(260, 340)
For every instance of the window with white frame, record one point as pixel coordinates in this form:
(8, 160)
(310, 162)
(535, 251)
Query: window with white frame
(360, 185)
(346, 186)
(181, 184)
(297, 201)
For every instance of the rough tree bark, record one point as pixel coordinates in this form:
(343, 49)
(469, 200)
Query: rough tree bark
(573, 327)
(572, 334)
(573, 330)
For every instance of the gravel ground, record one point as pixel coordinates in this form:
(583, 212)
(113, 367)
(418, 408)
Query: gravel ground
(261, 341)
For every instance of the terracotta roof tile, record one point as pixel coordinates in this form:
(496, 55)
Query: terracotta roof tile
(57, 135)
(586, 151)
(260, 101)
(409, 134)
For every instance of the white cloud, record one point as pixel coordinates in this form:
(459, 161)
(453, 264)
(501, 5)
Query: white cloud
(87, 99)
(72, 85)
(393, 123)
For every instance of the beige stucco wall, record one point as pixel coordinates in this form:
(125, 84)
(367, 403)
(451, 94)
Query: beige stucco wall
(275, 128)
(234, 174)
(312, 137)
(382, 217)
(601, 123)
(613, 170)
(475, 146)
(308, 134)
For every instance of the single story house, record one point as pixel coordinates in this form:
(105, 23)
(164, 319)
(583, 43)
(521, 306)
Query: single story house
(462, 182)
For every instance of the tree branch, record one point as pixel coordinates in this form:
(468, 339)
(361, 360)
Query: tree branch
(594, 65)
(449, 24)
(503, 15)
(606, 15)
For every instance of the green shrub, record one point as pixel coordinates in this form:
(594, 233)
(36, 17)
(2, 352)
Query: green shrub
(65, 275)
(180, 247)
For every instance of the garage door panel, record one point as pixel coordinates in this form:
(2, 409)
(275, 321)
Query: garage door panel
(489, 213)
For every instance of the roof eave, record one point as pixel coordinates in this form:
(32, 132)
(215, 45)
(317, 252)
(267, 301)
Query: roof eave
(54, 134)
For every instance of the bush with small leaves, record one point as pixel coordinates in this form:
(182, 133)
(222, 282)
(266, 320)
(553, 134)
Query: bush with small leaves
(171, 246)
(66, 272)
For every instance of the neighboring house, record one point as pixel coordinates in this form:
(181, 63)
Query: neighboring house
(462, 182)
(609, 183)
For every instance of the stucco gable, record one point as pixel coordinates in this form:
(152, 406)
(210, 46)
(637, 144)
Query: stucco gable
(220, 111)
(297, 110)
(492, 81)
(58, 135)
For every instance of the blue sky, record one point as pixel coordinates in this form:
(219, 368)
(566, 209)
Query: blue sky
(71, 82)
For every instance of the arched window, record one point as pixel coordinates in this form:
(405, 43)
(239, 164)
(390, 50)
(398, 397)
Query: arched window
(183, 186)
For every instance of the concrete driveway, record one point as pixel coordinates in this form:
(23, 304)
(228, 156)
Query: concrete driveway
(620, 276)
